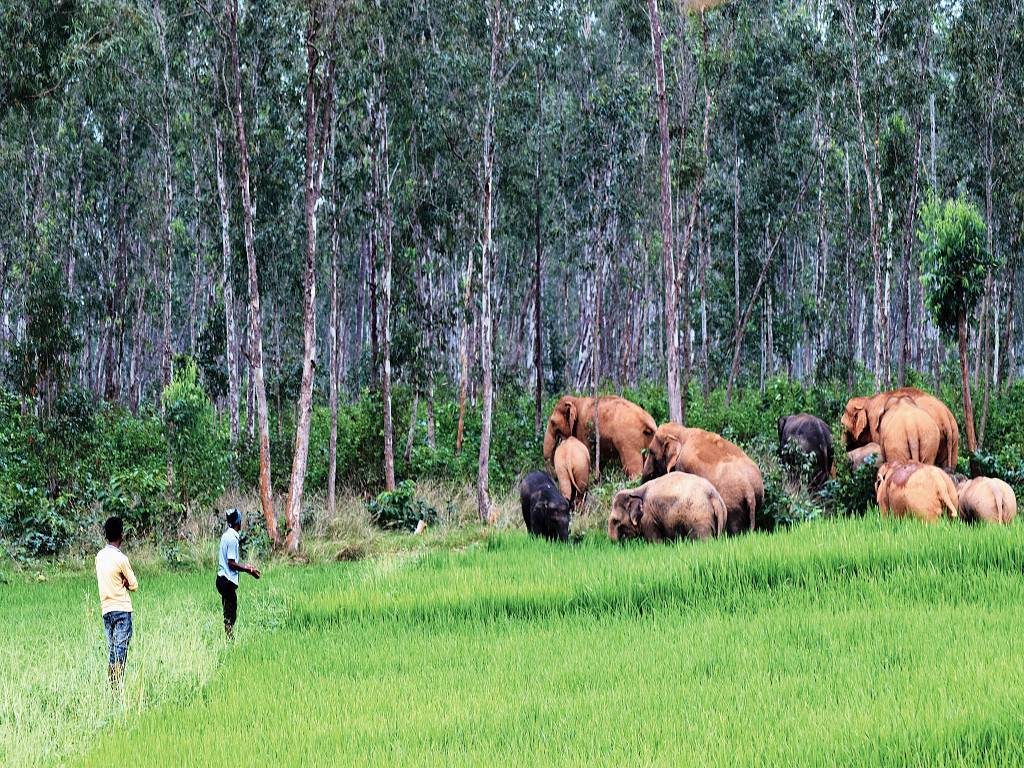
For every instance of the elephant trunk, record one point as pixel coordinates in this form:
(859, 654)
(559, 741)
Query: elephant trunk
(549, 444)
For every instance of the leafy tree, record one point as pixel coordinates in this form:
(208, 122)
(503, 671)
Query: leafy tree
(954, 263)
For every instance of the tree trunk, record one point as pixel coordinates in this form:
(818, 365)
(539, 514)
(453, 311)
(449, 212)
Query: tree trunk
(873, 194)
(336, 340)
(496, 18)
(255, 318)
(385, 226)
(675, 402)
(165, 344)
(319, 103)
(467, 296)
(538, 285)
(972, 445)
(227, 285)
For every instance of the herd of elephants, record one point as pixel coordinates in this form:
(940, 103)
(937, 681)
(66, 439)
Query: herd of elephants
(697, 484)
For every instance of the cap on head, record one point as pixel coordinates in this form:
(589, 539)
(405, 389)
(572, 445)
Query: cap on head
(234, 517)
(113, 528)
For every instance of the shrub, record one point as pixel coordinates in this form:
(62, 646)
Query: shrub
(400, 509)
(852, 491)
(196, 439)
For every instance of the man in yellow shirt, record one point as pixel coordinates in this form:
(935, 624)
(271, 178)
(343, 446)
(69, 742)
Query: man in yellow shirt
(115, 579)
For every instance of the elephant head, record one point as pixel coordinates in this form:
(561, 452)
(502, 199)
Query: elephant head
(856, 422)
(561, 424)
(662, 455)
(627, 511)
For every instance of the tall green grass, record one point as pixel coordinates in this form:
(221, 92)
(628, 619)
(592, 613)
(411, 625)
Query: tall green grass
(843, 642)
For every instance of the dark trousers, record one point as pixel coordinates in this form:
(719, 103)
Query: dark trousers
(228, 598)
(118, 626)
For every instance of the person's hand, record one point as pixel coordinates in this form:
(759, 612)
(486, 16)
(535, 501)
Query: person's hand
(254, 572)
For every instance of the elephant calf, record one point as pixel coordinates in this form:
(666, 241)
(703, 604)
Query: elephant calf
(809, 435)
(918, 490)
(545, 510)
(860, 456)
(572, 468)
(986, 500)
(676, 505)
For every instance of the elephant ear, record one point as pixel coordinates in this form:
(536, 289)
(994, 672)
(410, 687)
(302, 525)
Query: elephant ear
(782, 426)
(860, 421)
(571, 416)
(673, 450)
(635, 509)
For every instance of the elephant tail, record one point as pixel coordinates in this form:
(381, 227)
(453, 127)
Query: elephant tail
(751, 501)
(574, 482)
(1000, 507)
(948, 503)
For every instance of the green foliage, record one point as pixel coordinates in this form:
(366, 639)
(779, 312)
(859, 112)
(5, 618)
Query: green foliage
(42, 360)
(400, 508)
(852, 491)
(954, 260)
(782, 506)
(197, 440)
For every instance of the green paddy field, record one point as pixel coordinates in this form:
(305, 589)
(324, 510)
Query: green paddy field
(852, 642)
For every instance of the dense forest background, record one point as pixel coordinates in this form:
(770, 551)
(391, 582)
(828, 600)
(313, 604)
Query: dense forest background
(232, 232)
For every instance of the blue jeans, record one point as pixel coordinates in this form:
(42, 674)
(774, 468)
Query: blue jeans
(118, 625)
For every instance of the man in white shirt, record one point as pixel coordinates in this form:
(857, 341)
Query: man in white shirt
(115, 579)
(228, 569)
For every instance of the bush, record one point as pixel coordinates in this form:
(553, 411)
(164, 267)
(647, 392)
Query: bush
(400, 509)
(852, 491)
(197, 442)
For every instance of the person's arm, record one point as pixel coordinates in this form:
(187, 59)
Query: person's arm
(128, 576)
(243, 567)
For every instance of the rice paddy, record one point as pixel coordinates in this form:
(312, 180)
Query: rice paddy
(862, 642)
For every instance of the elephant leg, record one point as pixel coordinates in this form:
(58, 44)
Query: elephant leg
(631, 459)
(564, 484)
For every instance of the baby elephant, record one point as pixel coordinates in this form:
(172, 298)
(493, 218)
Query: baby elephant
(858, 457)
(572, 467)
(669, 507)
(986, 500)
(545, 510)
(918, 490)
(805, 434)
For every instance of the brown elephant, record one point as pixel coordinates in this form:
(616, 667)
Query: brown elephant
(724, 464)
(626, 428)
(986, 500)
(860, 456)
(918, 490)
(862, 415)
(572, 468)
(907, 432)
(676, 505)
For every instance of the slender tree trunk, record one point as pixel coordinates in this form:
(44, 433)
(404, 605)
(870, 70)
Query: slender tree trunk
(538, 285)
(383, 169)
(319, 103)
(336, 342)
(986, 339)
(410, 436)
(675, 402)
(227, 285)
(496, 18)
(467, 296)
(972, 445)
(873, 193)
(255, 319)
(165, 344)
